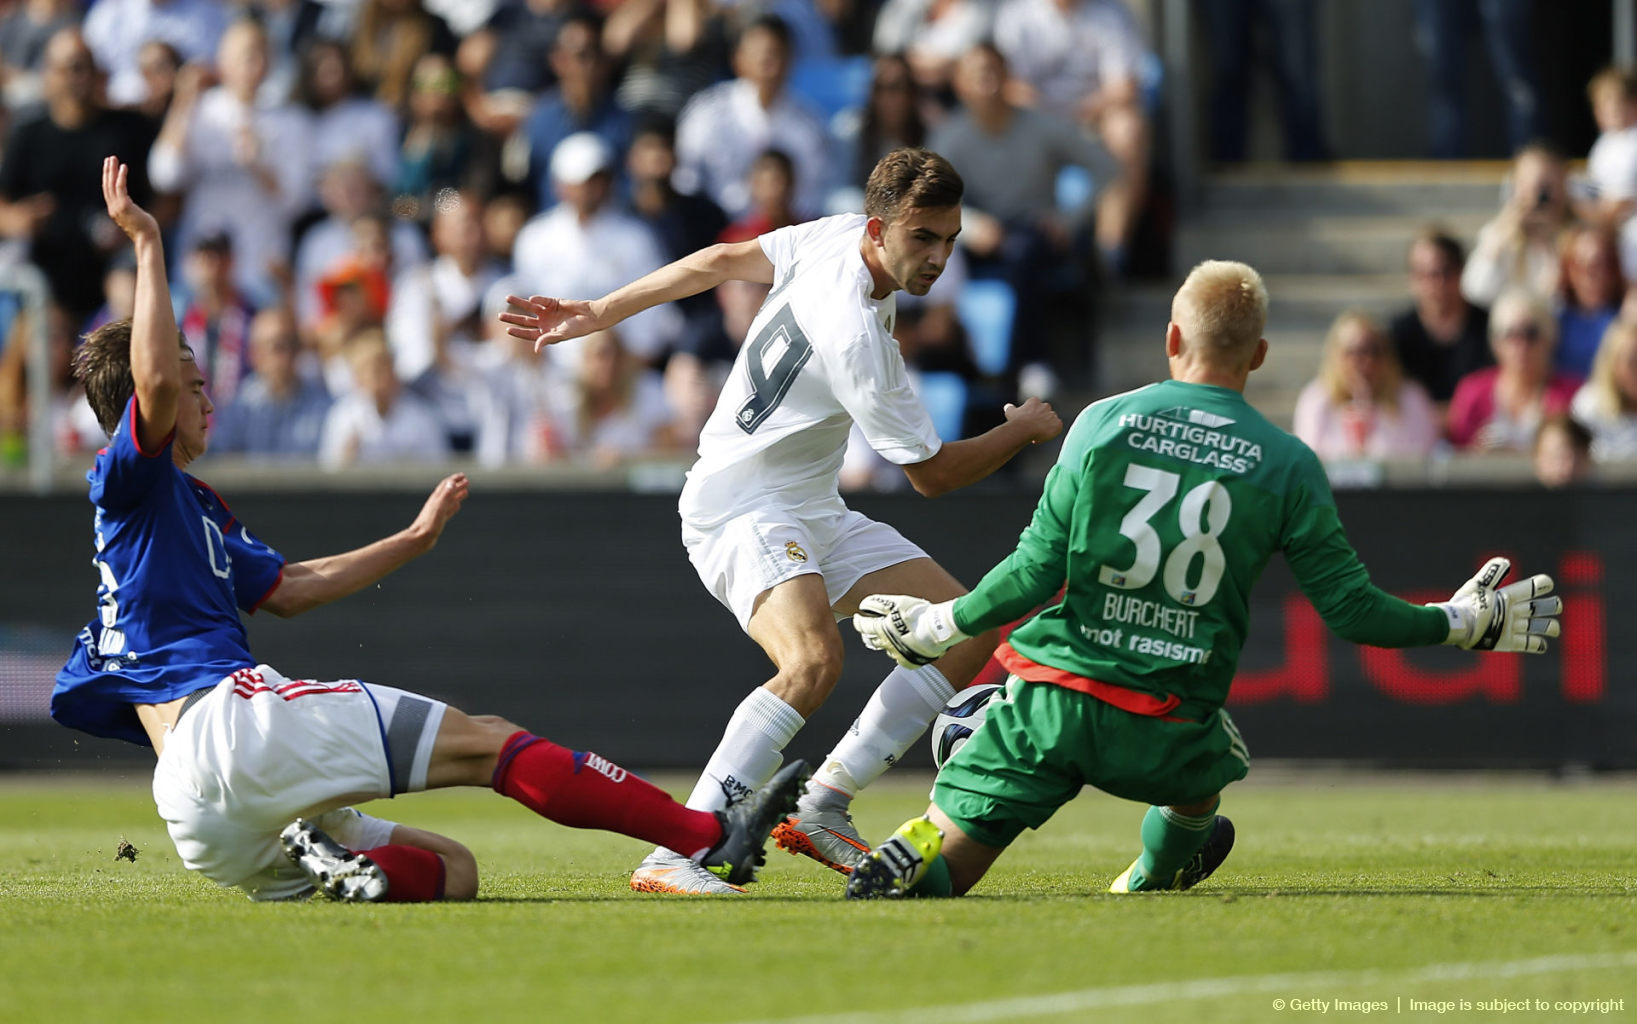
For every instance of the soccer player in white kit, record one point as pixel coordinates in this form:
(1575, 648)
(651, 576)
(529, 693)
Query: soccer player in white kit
(762, 518)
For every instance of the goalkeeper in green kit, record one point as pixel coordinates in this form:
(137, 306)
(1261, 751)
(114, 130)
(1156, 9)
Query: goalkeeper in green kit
(1164, 507)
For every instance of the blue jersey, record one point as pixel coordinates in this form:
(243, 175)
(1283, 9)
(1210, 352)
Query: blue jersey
(176, 567)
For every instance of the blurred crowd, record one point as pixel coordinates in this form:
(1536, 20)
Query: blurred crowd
(1527, 344)
(350, 188)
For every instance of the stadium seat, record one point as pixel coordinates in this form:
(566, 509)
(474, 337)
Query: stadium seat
(832, 84)
(944, 395)
(986, 309)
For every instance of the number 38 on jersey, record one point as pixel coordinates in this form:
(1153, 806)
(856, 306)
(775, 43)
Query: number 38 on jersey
(1191, 570)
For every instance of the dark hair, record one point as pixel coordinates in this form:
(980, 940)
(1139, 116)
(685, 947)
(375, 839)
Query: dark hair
(916, 178)
(593, 24)
(778, 157)
(1446, 244)
(870, 130)
(656, 124)
(103, 365)
(771, 23)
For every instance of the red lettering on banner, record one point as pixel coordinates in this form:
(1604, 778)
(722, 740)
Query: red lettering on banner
(1498, 677)
(1305, 674)
(1581, 574)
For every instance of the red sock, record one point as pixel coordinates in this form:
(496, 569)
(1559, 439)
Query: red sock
(413, 875)
(582, 790)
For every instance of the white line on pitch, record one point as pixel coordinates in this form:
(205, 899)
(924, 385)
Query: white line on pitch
(1208, 988)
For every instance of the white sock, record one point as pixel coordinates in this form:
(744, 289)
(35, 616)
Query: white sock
(750, 752)
(898, 712)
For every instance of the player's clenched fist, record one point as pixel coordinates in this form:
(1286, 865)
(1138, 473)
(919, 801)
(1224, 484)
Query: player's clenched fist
(1516, 617)
(911, 631)
(1038, 416)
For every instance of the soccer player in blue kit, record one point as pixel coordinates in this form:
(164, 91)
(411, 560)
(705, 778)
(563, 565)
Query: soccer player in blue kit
(255, 770)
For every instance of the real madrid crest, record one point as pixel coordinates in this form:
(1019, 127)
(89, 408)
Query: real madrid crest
(794, 551)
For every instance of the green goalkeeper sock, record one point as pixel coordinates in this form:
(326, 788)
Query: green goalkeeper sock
(935, 883)
(1169, 839)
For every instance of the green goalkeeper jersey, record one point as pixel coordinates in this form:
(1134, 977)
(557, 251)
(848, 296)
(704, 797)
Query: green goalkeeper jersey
(1156, 521)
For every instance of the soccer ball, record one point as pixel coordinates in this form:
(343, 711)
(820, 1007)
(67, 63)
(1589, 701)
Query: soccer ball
(959, 717)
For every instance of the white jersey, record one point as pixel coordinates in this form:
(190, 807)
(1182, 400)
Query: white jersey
(819, 357)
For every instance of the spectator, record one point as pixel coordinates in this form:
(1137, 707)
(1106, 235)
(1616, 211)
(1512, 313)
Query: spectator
(347, 192)
(670, 50)
(49, 194)
(293, 26)
(119, 286)
(615, 408)
(389, 40)
(1442, 337)
(1562, 452)
(508, 62)
(246, 169)
(582, 101)
(892, 118)
(1441, 29)
(440, 146)
(586, 245)
(278, 413)
(117, 29)
(24, 33)
(1080, 60)
(1590, 297)
(1499, 408)
(1009, 158)
(517, 423)
(1360, 406)
(927, 37)
(378, 421)
(215, 318)
(1520, 247)
(1611, 167)
(1289, 50)
(354, 295)
(772, 184)
(346, 126)
(436, 306)
(682, 223)
(724, 127)
(160, 66)
(503, 217)
(1607, 404)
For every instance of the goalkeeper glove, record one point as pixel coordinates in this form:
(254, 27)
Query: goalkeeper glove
(911, 631)
(1516, 617)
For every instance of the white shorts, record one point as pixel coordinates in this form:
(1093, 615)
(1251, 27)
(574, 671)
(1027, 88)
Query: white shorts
(261, 750)
(754, 552)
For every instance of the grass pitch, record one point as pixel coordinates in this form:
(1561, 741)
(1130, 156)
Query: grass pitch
(1346, 897)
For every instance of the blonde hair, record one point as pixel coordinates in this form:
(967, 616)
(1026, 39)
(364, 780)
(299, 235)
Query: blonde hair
(1521, 299)
(1222, 309)
(1332, 373)
(1614, 79)
(1606, 397)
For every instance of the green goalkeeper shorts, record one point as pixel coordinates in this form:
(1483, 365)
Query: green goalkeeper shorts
(1037, 747)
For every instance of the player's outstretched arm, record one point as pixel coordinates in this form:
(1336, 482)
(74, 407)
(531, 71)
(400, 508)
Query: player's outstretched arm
(156, 355)
(967, 461)
(546, 321)
(1484, 616)
(306, 585)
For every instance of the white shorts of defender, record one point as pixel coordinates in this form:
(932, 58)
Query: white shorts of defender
(754, 552)
(261, 750)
